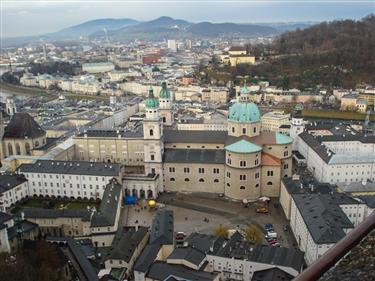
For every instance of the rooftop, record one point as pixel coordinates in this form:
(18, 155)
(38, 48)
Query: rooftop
(194, 156)
(162, 229)
(323, 216)
(71, 168)
(243, 146)
(23, 126)
(106, 215)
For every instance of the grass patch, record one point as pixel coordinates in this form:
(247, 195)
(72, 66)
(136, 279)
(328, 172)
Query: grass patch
(336, 114)
(54, 204)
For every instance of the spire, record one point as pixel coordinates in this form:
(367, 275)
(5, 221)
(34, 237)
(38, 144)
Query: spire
(151, 93)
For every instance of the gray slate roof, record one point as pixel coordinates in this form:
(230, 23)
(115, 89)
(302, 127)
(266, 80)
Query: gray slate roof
(271, 274)
(136, 133)
(22, 126)
(162, 230)
(125, 243)
(238, 248)
(160, 271)
(10, 181)
(323, 216)
(190, 136)
(108, 206)
(72, 168)
(204, 242)
(209, 156)
(147, 257)
(54, 213)
(189, 254)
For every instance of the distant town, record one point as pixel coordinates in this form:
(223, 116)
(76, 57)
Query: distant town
(175, 160)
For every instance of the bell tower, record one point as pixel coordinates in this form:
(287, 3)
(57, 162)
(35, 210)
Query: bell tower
(165, 103)
(152, 135)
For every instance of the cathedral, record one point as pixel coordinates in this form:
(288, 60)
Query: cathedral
(240, 163)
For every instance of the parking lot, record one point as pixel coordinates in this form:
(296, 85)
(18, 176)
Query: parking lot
(205, 212)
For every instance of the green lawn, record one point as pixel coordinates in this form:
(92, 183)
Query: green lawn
(335, 114)
(55, 204)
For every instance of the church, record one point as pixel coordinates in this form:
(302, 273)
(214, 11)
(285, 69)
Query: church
(240, 163)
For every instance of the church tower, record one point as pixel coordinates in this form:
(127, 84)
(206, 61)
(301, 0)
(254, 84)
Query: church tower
(296, 125)
(165, 103)
(153, 134)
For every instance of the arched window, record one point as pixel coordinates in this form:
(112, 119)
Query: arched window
(171, 179)
(216, 180)
(164, 119)
(18, 149)
(186, 179)
(255, 129)
(201, 180)
(10, 149)
(242, 187)
(228, 184)
(151, 132)
(36, 143)
(27, 148)
(269, 183)
(257, 185)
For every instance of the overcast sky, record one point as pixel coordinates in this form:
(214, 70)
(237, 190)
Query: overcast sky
(25, 17)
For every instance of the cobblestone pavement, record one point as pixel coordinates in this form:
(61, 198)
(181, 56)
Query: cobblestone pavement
(190, 210)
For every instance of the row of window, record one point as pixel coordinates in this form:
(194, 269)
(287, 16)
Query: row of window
(200, 170)
(68, 177)
(243, 163)
(64, 185)
(244, 130)
(187, 180)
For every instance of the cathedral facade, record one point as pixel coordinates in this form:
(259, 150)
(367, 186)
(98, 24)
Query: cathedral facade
(240, 163)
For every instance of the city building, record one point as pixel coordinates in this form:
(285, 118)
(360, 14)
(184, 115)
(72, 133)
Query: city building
(98, 67)
(172, 45)
(241, 163)
(68, 179)
(273, 120)
(237, 55)
(13, 188)
(22, 135)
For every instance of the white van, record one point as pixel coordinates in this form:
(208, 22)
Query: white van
(271, 234)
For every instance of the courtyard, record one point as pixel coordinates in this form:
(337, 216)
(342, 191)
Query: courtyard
(206, 212)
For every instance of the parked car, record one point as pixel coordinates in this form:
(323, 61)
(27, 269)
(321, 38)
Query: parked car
(268, 227)
(271, 234)
(180, 236)
(286, 227)
(262, 210)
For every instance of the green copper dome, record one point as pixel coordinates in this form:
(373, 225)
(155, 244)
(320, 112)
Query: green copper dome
(244, 90)
(244, 112)
(298, 107)
(164, 92)
(151, 102)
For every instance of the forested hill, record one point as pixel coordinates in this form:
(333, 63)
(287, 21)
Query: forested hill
(338, 53)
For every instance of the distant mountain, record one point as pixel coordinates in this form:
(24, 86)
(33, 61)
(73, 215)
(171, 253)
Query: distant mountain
(216, 29)
(168, 27)
(93, 26)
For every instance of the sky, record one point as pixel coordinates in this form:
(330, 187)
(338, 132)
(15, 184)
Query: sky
(34, 17)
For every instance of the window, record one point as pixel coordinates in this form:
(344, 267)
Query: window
(269, 183)
(255, 130)
(270, 173)
(201, 180)
(172, 169)
(228, 174)
(216, 180)
(201, 170)
(151, 132)
(242, 177)
(186, 179)
(10, 149)
(229, 161)
(232, 129)
(186, 170)
(256, 162)
(18, 149)
(242, 163)
(216, 171)
(172, 179)
(286, 153)
(243, 130)
(27, 148)
(242, 187)
(257, 175)
(286, 166)
(228, 184)
(152, 157)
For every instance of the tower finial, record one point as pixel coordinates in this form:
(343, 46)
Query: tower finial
(150, 92)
